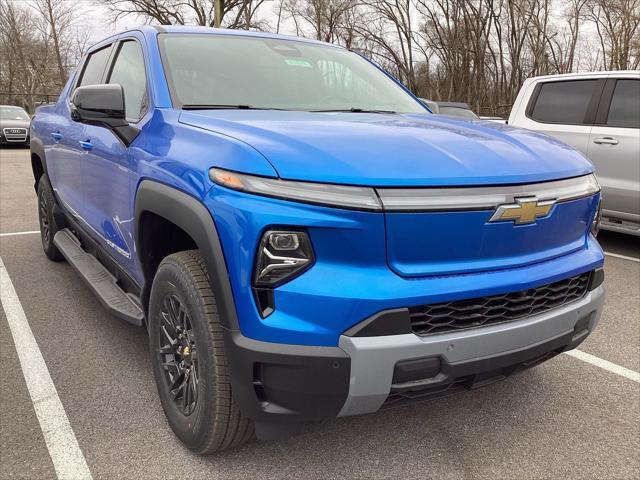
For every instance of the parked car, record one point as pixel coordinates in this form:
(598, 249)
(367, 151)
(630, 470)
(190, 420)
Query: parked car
(451, 109)
(598, 114)
(494, 119)
(14, 125)
(302, 245)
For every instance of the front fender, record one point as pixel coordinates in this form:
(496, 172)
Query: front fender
(192, 217)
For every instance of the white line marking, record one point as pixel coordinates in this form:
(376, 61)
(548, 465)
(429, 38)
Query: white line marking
(606, 365)
(68, 460)
(13, 234)
(624, 257)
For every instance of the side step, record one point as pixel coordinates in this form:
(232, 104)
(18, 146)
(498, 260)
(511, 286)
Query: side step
(99, 279)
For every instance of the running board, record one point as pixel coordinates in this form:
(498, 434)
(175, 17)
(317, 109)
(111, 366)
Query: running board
(99, 279)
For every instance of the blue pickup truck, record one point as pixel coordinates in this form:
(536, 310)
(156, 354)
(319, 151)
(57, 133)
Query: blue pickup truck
(301, 237)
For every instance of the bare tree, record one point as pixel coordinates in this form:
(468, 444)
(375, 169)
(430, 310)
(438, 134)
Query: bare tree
(389, 28)
(57, 16)
(324, 18)
(563, 43)
(234, 13)
(617, 23)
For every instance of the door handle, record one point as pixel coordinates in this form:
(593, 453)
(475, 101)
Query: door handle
(605, 141)
(86, 145)
(57, 136)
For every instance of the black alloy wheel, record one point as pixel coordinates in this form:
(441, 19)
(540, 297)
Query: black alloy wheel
(188, 357)
(178, 354)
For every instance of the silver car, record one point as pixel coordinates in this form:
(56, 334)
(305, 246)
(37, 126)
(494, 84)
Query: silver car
(599, 114)
(14, 125)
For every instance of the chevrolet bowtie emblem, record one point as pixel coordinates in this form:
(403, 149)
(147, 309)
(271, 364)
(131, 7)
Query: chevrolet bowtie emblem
(525, 210)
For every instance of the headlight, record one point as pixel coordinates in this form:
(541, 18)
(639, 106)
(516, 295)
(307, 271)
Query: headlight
(281, 256)
(344, 196)
(595, 225)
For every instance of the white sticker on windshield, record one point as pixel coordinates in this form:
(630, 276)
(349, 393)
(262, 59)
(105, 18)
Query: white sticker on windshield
(298, 63)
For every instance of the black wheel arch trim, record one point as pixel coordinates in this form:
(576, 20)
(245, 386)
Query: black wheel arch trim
(37, 148)
(299, 382)
(189, 214)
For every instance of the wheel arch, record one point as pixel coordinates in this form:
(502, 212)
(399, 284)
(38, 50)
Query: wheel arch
(193, 218)
(38, 163)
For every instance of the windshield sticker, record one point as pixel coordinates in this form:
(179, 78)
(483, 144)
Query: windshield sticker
(292, 62)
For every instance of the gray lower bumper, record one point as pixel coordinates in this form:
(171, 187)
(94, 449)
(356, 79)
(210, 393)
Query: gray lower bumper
(373, 359)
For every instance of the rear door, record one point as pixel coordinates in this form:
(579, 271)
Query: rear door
(614, 147)
(565, 109)
(64, 155)
(107, 170)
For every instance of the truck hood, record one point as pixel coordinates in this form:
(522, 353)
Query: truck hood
(12, 123)
(394, 150)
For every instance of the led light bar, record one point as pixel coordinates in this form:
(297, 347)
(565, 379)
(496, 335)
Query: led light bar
(343, 196)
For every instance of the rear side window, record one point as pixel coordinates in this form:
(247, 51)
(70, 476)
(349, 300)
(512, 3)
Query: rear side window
(94, 67)
(563, 102)
(625, 105)
(128, 71)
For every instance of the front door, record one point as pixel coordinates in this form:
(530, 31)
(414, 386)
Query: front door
(62, 148)
(107, 169)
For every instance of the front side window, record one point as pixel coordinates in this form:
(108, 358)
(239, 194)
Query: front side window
(224, 70)
(94, 67)
(563, 102)
(128, 71)
(625, 105)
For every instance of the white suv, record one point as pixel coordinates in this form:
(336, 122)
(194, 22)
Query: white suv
(599, 114)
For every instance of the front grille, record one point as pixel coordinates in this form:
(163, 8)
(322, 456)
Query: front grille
(15, 134)
(479, 312)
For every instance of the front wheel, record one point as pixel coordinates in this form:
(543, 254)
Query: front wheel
(188, 357)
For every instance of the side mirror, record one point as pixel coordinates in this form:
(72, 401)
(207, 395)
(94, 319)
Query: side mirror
(103, 105)
(99, 104)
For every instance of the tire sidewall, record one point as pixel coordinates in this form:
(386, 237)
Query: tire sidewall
(194, 428)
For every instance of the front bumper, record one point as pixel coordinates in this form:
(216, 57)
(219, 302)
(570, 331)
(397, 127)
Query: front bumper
(278, 382)
(469, 356)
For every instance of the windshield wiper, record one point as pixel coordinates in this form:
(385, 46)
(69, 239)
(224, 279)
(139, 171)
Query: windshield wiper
(223, 106)
(354, 110)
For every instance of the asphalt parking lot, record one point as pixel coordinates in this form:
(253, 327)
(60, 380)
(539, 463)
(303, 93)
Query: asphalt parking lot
(564, 419)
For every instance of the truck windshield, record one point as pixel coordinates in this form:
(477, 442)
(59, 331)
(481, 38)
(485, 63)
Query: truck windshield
(224, 71)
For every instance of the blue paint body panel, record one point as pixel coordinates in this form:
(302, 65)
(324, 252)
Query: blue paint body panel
(365, 262)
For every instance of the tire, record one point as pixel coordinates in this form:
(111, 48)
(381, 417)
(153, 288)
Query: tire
(201, 413)
(46, 219)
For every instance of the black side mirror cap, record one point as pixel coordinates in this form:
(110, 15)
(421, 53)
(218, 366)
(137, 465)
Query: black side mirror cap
(99, 104)
(103, 105)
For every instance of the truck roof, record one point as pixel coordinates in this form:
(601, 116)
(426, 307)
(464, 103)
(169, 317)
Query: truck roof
(154, 30)
(586, 74)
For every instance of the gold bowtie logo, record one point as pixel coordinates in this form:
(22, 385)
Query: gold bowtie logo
(525, 210)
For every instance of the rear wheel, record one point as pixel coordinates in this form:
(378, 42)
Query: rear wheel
(48, 226)
(189, 360)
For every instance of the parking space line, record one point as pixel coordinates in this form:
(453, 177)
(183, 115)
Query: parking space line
(64, 450)
(12, 234)
(624, 257)
(605, 365)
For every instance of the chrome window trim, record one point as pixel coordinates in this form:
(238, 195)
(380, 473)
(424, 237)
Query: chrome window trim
(483, 198)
